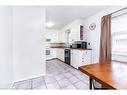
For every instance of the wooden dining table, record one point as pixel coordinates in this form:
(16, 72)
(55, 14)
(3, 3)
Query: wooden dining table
(112, 75)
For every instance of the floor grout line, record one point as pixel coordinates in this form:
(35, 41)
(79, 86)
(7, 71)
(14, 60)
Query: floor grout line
(58, 68)
(45, 83)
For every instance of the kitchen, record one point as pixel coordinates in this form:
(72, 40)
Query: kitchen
(64, 54)
(65, 47)
(70, 45)
(77, 45)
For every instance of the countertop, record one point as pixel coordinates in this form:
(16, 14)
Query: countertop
(72, 48)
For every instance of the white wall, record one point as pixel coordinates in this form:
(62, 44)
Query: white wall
(6, 69)
(28, 42)
(94, 36)
(52, 34)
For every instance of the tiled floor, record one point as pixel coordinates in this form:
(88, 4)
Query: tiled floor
(59, 76)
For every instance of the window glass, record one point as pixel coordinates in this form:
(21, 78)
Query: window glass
(119, 35)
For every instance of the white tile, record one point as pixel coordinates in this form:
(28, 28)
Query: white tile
(38, 82)
(40, 87)
(53, 86)
(76, 72)
(59, 77)
(70, 87)
(80, 85)
(24, 85)
(68, 75)
(55, 72)
(49, 74)
(49, 80)
(80, 77)
(73, 80)
(64, 71)
(86, 82)
(63, 83)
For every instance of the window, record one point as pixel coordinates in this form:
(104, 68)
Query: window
(119, 38)
(119, 43)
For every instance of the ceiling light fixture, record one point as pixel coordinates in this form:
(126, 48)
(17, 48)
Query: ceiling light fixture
(50, 24)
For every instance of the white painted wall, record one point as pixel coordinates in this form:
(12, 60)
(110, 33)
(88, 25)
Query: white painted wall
(94, 36)
(28, 42)
(6, 69)
(52, 34)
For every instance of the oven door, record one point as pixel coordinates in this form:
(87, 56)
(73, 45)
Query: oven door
(48, 53)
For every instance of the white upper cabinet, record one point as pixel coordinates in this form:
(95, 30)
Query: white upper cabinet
(62, 37)
(74, 34)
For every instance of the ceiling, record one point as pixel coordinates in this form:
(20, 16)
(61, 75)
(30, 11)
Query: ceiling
(62, 15)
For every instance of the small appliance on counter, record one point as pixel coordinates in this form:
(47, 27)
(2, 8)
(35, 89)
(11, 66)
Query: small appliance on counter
(79, 44)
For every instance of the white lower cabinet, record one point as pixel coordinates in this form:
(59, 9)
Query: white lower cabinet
(80, 57)
(60, 54)
(50, 53)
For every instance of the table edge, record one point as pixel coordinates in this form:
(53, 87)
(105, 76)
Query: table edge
(97, 79)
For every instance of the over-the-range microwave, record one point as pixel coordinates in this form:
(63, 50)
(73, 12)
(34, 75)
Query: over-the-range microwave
(79, 44)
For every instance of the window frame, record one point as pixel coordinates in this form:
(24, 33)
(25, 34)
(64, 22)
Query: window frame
(113, 40)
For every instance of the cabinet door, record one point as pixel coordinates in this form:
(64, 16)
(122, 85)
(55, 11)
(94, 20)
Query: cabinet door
(62, 55)
(74, 34)
(76, 58)
(58, 53)
(86, 57)
(62, 36)
(53, 52)
(71, 58)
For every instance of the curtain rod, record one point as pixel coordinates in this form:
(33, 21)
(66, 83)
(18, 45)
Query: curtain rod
(118, 10)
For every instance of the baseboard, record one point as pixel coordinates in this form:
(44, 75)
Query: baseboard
(54, 59)
(59, 60)
(29, 78)
(7, 86)
(51, 59)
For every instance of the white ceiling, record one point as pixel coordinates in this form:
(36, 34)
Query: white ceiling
(61, 15)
